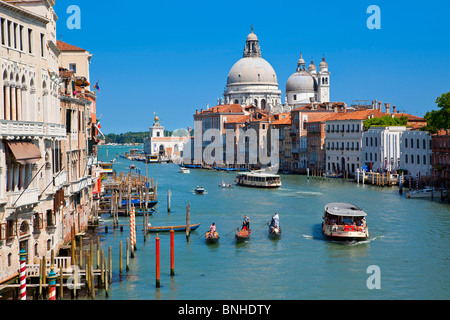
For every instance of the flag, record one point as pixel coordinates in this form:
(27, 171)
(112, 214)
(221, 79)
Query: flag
(96, 87)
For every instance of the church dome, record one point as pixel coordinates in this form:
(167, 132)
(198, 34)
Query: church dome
(252, 70)
(301, 81)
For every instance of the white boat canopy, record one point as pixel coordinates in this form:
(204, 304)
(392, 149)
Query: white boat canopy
(344, 209)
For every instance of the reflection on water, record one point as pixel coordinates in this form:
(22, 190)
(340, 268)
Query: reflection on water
(409, 241)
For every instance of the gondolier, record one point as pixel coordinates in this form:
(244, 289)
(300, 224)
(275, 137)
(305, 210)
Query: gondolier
(246, 223)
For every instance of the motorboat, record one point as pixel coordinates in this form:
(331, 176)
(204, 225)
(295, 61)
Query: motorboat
(184, 170)
(344, 221)
(199, 190)
(258, 180)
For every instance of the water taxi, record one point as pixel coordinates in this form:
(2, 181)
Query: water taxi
(258, 180)
(344, 221)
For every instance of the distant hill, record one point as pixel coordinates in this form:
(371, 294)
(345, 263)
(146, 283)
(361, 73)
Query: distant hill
(130, 137)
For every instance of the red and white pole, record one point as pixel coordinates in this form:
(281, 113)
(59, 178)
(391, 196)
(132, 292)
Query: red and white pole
(133, 227)
(23, 274)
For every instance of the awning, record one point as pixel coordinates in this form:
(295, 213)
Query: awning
(24, 152)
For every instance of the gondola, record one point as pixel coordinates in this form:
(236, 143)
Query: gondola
(212, 238)
(174, 228)
(243, 234)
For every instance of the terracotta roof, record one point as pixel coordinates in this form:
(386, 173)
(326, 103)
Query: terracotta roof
(357, 115)
(67, 47)
(409, 116)
(225, 108)
(286, 120)
(242, 119)
(320, 106)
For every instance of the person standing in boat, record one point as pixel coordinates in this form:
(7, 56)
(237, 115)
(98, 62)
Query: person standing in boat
(276, 220)
(246, 223)
(212, 228)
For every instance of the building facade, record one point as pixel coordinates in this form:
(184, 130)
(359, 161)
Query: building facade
(415, 150)
(381, 148)
(440, 157)
(343, 140)
(47, 138)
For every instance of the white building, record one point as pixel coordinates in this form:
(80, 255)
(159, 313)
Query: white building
(381, 148)
(344, 139)
(32, 173)
(306, 84)
(252, 80)
(415, 152)
(157, 144)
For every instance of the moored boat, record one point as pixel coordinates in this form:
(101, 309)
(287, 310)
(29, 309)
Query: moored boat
(138, 203)
(344, 221)
(258, 180)
(243, 234)
(426, 193)
(212, 237)
(174, 228)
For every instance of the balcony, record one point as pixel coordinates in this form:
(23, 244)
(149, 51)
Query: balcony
(60, 179)
(77, 186)
(23, 198)
(21, 128)
(55, 130)
(31, 129)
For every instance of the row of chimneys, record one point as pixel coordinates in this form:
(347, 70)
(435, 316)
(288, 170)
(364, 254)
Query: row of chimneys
(387, 106)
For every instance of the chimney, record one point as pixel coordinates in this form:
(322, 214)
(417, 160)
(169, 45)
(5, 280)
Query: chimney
(388, 106)
(393, 109)
(373, 105)
(379, 105)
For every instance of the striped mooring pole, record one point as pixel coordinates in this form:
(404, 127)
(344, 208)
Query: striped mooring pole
(52, 284)
(23, 274)
(133, 229)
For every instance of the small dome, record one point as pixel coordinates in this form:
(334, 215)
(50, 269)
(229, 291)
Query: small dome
(156, 119)
(301, 61)
(252, 37)
(323, 64)
(312, 67)
(301, 81)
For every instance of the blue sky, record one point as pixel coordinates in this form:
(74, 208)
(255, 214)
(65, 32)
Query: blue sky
(173, 57)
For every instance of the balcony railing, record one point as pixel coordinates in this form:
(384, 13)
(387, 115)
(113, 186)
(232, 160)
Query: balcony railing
(31, 129)
(23, 198)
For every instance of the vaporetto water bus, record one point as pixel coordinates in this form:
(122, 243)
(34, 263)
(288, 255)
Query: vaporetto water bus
(344, 221)
(258, 180)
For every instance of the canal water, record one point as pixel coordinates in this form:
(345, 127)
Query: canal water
(409, 242)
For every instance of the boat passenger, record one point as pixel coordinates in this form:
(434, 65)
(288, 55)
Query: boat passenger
(212, 228)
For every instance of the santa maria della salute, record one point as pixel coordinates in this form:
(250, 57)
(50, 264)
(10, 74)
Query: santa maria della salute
(253, 81)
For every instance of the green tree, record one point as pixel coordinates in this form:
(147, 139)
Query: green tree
(439, 119)
(385, 121)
